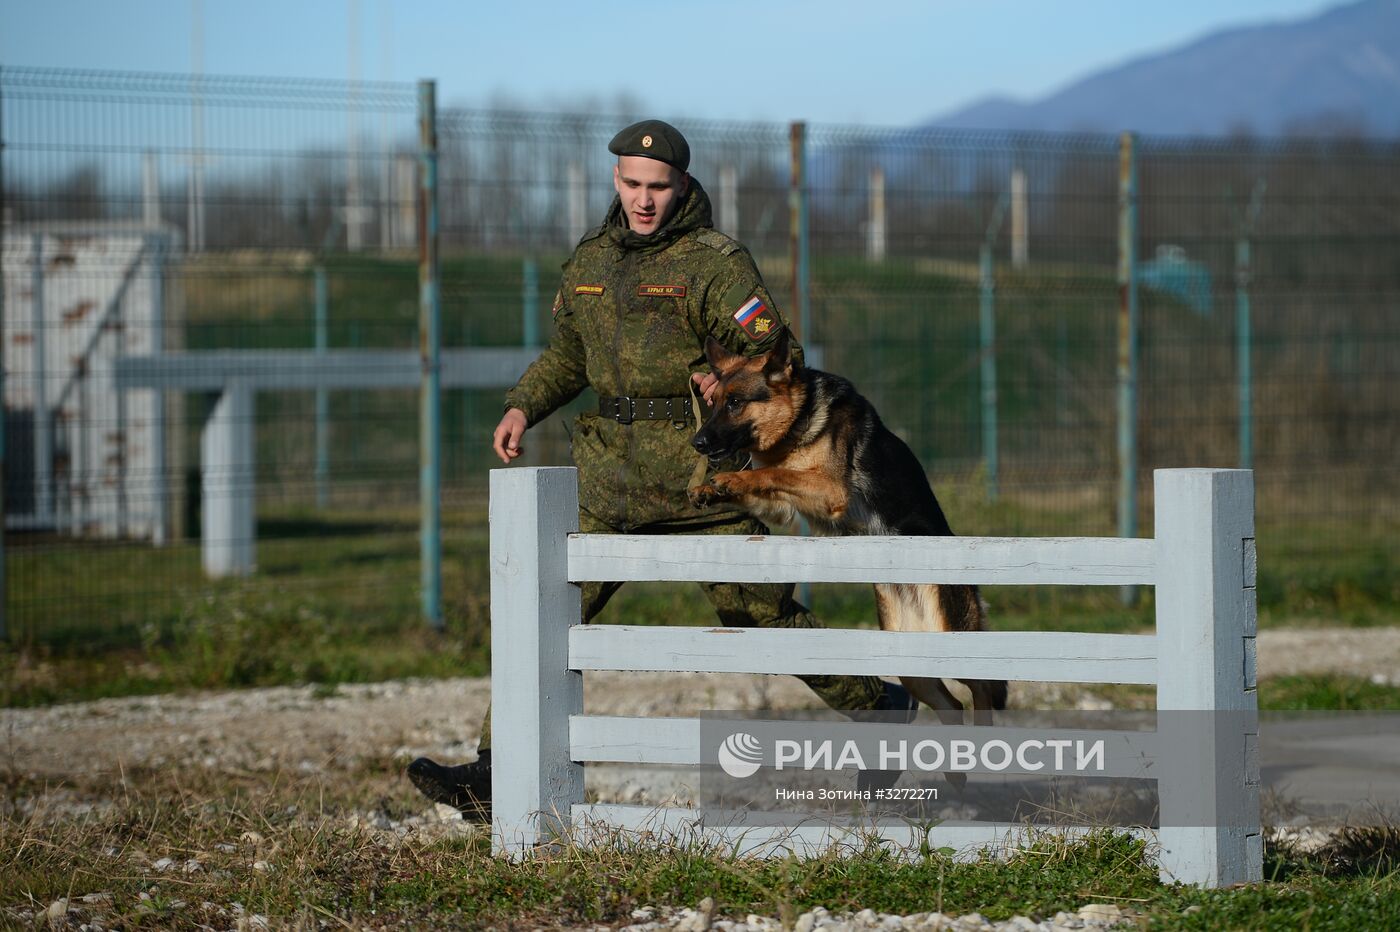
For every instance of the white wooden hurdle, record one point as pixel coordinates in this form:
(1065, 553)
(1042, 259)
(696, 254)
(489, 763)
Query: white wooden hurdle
(1202, 657)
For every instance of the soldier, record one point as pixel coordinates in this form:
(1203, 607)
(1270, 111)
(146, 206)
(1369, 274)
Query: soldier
(639, 297)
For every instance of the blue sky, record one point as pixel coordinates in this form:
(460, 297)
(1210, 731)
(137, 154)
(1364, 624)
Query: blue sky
(892, 62)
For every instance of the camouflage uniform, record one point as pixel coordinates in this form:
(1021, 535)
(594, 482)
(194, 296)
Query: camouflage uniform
(631, 320)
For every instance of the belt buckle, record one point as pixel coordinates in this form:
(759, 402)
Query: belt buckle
(624, 409)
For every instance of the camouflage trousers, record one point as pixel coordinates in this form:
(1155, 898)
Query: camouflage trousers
(738, 605)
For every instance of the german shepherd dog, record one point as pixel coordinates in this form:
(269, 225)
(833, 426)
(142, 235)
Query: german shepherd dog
(819, 450)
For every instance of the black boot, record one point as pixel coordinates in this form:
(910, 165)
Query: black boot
(465, 786)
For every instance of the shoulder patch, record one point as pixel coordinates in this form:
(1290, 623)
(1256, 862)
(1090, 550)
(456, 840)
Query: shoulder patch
(756, 318)
(718, 241)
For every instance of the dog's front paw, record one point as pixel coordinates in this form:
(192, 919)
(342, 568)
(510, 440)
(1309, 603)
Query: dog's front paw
(720, 488)
(702, 496)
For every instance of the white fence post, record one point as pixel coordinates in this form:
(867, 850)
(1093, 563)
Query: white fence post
(1208, 711)
(230, 485)
(534, 783)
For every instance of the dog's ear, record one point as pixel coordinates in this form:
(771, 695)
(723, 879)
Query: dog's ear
(719, 357)
(777, 367)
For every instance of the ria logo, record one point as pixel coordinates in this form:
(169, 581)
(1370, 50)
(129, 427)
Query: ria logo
(740, 755)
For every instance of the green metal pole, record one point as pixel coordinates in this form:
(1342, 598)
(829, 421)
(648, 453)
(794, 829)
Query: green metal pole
(355, 343)
(801, 281)
(323, 456)
(1127, 344)
(429, 347)
(797, 210)
(1242, 351)
(530, 303)
(1244, 338)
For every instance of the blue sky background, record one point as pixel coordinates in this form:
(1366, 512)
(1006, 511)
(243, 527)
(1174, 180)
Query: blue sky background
(890, 62)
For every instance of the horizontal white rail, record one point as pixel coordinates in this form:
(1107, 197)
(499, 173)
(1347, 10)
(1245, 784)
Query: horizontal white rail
(676, 741)
(1038, 656)
(743, 834)
(1070, 561)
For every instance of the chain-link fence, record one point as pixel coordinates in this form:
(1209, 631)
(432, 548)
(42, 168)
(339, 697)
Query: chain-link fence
(969, 283)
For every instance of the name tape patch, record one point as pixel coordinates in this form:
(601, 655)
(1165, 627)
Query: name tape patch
(661, 291)
(594, 290)
(755, 318)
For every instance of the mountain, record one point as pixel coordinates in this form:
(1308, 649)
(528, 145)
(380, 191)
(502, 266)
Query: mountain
(1336, 72)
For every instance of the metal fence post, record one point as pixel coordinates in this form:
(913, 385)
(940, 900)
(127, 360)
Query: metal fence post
(798, 242)
(429, 348)
(530, 303)
(534, 781)
(43, 424)
(1020, 221)
(987, 330)
(728, 216)
(228, 452)
(323, 456)
(159, 485)
(875, 230)
(798, 235)
(1206, 697)
(4, 580)
(1244, 326)
(1127, 342)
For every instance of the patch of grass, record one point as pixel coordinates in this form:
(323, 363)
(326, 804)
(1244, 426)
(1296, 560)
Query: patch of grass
(182, 847)
(1313, 692)
(1327, 693)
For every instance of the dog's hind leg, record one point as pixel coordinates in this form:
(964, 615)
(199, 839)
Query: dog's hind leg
(915, 608)
(909, 608)
(932, 692)
(987, 696)
(962, 610)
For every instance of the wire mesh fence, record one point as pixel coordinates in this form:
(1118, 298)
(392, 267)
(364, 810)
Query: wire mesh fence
(168, 216)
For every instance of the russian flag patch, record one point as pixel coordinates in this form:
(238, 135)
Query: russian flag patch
(755, 318)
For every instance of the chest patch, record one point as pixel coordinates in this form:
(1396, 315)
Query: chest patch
(661, 291)
(595, 290)
(755, 317)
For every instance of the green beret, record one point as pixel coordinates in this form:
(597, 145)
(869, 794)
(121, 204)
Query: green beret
(653, 139)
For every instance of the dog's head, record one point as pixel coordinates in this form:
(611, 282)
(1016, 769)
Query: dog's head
(755, 403)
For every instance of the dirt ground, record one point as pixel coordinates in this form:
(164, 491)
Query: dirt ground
(308, 730)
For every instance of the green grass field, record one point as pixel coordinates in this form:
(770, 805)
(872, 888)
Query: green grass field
(188, 848)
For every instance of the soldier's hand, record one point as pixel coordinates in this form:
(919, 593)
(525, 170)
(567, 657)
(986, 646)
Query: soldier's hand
(707, 382)
(506, 440)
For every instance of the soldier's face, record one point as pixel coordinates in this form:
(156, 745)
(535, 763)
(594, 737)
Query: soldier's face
(650, 191)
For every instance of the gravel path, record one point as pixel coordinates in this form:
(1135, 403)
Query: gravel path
(301, 729)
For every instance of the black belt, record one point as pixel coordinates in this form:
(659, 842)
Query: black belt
(626, 409)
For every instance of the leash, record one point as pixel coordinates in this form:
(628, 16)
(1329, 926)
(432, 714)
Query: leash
(697, 476)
